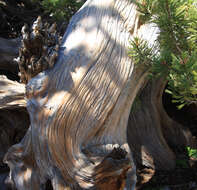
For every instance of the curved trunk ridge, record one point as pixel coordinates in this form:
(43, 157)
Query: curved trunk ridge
(145, 131)
(152, 134)
(79, 109)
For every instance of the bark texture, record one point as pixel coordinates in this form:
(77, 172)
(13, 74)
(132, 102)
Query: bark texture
(79, 109)
(12, 94)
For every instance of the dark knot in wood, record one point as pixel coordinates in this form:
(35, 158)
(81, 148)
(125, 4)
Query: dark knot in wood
(39, 49)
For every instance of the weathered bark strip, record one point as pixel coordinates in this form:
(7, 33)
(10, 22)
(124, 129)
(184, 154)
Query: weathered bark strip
(79, 109)
(9, 49)
(12, 94)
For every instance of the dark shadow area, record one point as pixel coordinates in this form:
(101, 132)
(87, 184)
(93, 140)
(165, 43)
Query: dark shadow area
(186, 116)
(184, 176)
(14, 14)
(13, 126)
(48, 185)
(10, 75)
(3, 176)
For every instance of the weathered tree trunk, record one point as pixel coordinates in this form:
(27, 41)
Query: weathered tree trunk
(79, 109)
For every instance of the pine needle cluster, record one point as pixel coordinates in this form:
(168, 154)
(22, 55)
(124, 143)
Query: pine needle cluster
(177, 40)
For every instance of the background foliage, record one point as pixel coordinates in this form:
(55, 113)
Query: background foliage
(61, 9)
(15, 13)
(176, 59)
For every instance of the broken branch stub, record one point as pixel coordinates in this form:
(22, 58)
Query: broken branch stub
(39, 49)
